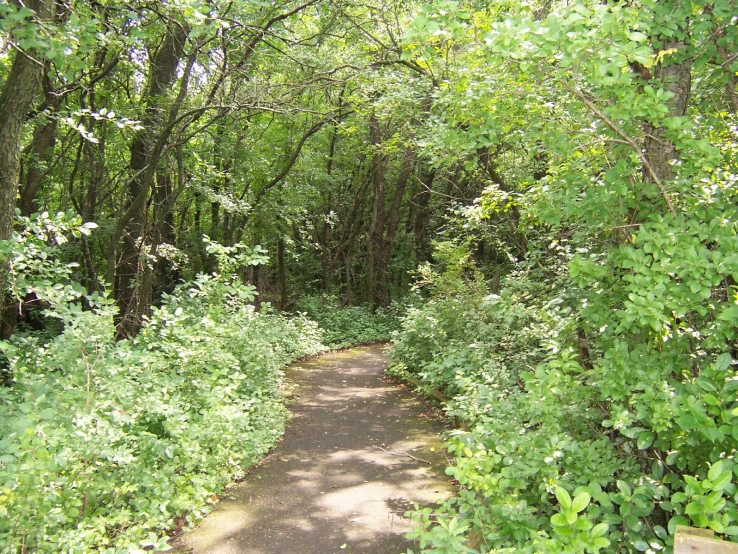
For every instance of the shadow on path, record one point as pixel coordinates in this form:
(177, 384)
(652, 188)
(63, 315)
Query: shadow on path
(327, 488)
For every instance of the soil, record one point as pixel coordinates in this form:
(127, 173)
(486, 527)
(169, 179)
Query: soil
(353, 460)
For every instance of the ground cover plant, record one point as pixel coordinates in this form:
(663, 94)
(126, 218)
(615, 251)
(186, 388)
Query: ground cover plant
(583, 306)
(351, 325)
(558, 453)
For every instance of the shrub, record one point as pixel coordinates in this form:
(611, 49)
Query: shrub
(588, 428)
(352, 325)
(104, 444)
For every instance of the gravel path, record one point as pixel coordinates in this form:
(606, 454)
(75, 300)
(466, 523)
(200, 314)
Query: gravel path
(339, 482)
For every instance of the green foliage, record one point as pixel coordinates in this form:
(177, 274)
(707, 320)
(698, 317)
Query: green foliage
(542, 140)
(346, 326)
(554, 409)
(32, 256)
(604, 369)
(527, 432)
(464, 338)
(105, 445)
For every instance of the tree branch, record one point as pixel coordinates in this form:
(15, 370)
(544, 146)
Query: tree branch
(291, 162)
(630, 141)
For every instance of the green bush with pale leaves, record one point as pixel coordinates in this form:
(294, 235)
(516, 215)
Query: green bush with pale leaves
(105, 446)
(351, 325)
(639, 427)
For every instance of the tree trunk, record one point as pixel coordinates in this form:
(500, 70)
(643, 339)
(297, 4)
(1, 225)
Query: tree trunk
(133, 273)
(725, 60)
(348, 293)
(166, 273)
(43, 139)
(677, 78)
(15, 102)
(325, 236)
(227, 238)
(220, 181)
(282, 272)
(732, 92)
(393, 219)
(376, 279)
(422, 217)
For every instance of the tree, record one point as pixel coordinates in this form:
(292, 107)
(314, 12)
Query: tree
(16, 98)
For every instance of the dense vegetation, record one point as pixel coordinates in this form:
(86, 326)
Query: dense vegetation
(351, 325)
(544, 190)
(595, 371)
(104, 443)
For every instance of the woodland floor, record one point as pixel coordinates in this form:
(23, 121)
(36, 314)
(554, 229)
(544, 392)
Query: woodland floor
(339, 482)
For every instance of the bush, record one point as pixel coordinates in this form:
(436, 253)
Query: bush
(588, 428)
(352, 325)
(104, 445)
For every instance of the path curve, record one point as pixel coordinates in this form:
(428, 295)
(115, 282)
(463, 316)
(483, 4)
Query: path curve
(333, 485)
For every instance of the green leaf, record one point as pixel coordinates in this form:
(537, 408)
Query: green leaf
(580, 502)
(660, 532)
(47, 414)
(601, 542)
(599, 530)
(723, 481)
(640, 546)
(676, 520)
(644, 440)
(715, 471)
(722, 362)
(716, 526)
(729, 314)
(624, 488)
(559, 520)
(687, 422)
(657, 469)
(678, 497)
(692, 482)
(563, 497)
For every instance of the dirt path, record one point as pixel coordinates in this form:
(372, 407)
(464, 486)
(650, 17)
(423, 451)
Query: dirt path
(333, 486)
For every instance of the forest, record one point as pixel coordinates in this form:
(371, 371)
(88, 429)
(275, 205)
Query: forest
(536, 201)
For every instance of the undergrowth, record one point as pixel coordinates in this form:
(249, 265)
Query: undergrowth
(350, 325)
(587, 429)
(104, 445)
